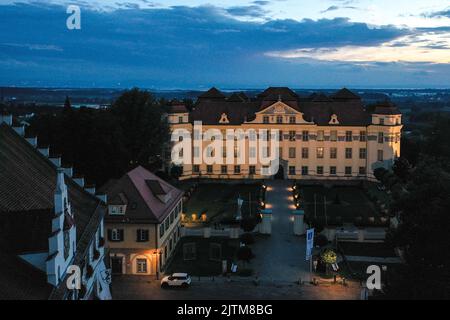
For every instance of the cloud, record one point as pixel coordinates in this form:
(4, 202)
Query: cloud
(335, 8)
(192, 47)
(254, 11)
(438, 14)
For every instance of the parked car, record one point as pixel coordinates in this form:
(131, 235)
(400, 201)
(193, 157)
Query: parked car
(182, 280)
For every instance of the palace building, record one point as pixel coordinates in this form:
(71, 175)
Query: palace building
(320, 136)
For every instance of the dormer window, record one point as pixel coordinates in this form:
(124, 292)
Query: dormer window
(334, 119)
(382, 121)
(116, 210)
(224, 118)
(266, 119)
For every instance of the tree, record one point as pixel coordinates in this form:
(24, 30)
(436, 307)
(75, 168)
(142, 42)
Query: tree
(379, 173)
(402, 168)
(245, 254)
(176, 171)
(67, 103)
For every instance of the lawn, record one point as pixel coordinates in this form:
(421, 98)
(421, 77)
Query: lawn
(203, 265)
(219, 201)
(342, 204)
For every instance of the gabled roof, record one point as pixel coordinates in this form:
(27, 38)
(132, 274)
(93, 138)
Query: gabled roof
(212, 93)
(143, 189)
(278, 93)
(385, 107)
(345, 94)
(237, 97)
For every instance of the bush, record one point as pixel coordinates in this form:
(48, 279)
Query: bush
(247, 239)
(245, 254)
(379, 173)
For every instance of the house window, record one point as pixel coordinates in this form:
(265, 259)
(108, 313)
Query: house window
(292, 153)
(141, 265)
(180, 119)
(380, 137)
(265, 119)
(161, 230)
(362, 136)
(319, 170)
(304, 171)
(209, 169)
(279, 119)
(348, 153)
(333, 135)
(142, 235)
(348, 136)
(382, 121)
(305, 153)
(115, 235)
(333, 170)
(305, 135)
(66, 244)
(280, 152)
(292, 119)
(280, 135)
(362, 153)
(320, 135)
(380, 156)
(223, 169)
(291, 135)
(196, 168)
(237, 169)
(320, 153)
(292, 170)
(348, 171)
(116, 210)
(362, 170)
(333, 153)
(252, 170)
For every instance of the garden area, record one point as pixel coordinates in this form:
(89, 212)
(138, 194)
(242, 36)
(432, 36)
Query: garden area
(204, 256)
(338, 205)
(217, 203)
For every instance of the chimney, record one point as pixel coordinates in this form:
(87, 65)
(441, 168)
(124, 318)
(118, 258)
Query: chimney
(56, 161)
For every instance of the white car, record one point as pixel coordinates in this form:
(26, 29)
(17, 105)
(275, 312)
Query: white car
(182, 280)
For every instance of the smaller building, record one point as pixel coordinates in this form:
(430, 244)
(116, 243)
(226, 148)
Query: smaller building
(143, 222)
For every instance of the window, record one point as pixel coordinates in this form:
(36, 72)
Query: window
(180, 153)
(141, 265)
(161, 230)
(291, 135)
(116, 210)
(319, 170)
(348, 136)
(362, 153)
(362, 170)
(305, 135)
(196, 168)
(280, 152)
(348, 171)
(115, 235)
(380, 137)
(66, 244)
(209, 169)
(292, 170)
(224, 152)
(223, 169)
(382, 121)
(304, 171)
(320, 153)
(279, 119)
(362, 136)
(280, 135)
(320, 135)
(292, 153)
(237, 169)
(292, 119)
(348, 153)
(333, 153)
(380, 155)
(252, 170)
(333, 135)
(180, 119)
(265, 119)
(142, 235)
(333, 170)
(305, 153)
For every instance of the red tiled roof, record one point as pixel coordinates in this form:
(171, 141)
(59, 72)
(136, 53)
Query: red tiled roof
(142, 189)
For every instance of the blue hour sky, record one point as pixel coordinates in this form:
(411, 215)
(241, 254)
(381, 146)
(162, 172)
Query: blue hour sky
(196, 44)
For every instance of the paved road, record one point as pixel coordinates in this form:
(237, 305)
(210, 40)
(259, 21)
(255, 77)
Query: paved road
(280, 256)
(145, 288)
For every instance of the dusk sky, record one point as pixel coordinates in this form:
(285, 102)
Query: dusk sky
(196, 44)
